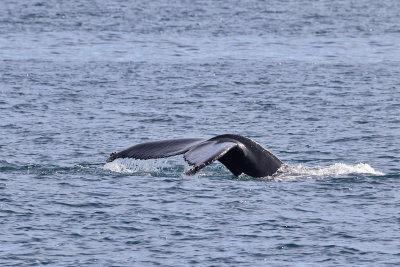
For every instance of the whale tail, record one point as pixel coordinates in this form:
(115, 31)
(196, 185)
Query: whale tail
(239, 154)
(198, 153)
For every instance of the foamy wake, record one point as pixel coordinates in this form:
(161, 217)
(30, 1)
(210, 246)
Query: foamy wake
(157, 166)
(334, 170)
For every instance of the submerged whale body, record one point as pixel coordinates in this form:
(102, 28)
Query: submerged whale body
(238, 153)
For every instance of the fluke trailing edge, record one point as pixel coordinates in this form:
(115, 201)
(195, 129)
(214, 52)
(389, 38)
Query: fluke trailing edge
(239, 154)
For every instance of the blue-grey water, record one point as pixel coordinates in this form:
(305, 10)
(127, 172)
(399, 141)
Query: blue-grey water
(315, 82)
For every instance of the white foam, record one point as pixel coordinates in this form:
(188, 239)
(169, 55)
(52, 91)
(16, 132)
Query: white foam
(136, 166)
(334, 170)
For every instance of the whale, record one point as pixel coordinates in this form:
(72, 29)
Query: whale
(240, 155)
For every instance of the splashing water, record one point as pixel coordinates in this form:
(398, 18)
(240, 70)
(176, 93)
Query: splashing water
(149, 167)
(334, 170)
(135, 166)
(158, 166)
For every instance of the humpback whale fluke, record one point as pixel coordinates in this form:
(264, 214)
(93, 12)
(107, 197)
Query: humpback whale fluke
(238, 153)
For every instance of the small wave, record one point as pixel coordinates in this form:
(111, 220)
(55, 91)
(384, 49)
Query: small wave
(334, 170)
(44, 169)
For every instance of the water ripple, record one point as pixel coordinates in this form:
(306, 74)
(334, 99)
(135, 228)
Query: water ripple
(316, 84)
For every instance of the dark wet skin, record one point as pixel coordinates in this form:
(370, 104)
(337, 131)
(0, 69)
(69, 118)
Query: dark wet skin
(238, 153)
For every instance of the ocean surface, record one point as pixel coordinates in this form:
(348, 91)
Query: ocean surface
(315, 82)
